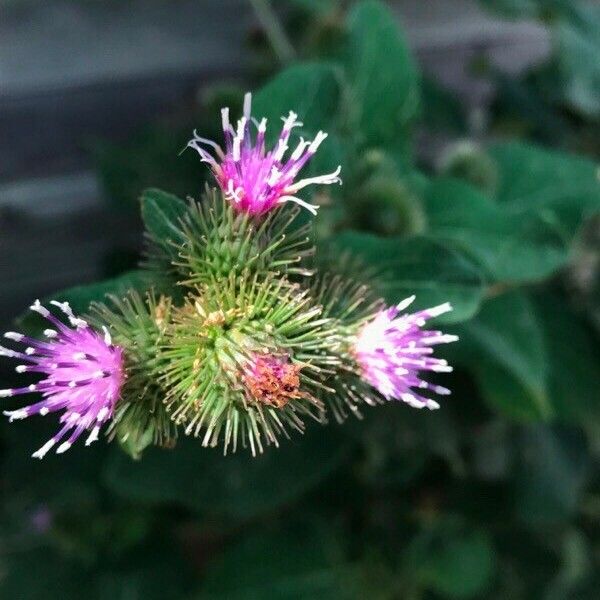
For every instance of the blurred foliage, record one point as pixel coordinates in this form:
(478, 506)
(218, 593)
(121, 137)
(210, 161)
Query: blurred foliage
(497, 495)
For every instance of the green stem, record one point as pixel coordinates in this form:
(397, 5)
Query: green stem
(277, 37)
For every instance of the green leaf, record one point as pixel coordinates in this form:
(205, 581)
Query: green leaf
(311, 90)
(382, 74)
(237, 486)
(574, 360)
(505, 348)
(551, 472)
(441, 109)
(420, 266)
(286, 562)
(80, 297)
(452, 560)
(509, 247)
(577, 53)
(161, 213)
(562, 188)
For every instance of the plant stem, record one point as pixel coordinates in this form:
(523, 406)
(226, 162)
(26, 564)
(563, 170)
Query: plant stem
(277, 36)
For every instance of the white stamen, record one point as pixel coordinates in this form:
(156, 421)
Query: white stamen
(72, 384)
(236, 149)
(432, 405)
(32, 387)
(274, 176)
(16, 415)
(241, 128)
(225, 119)
(290, 121)
(234, 194)
(405, 303)
(247, 104)
(107, 337)
(13, 335)
(21, 369)
(63, 447)
(439, 310)
(297, 153)
(93, 436)
(78, 323)
(29, 351)
(440, 339)
(64, 306)
(38, 308)
(321, 135)
(44, 449)
(262, 126)
(79, 355)
(6, 394)
(98, 374)
(327, 179)
(50, 333)
(44, 411)
(310, 207)
(202, 140)
(280, 151)
(102, 414)
(7, 352)
(441, 368)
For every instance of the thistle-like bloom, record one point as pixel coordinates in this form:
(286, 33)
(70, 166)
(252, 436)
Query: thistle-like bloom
(392, 350)
(83, 376)
(273, 381)
(256, 180)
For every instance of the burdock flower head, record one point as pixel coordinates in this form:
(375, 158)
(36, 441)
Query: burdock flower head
(255, 180)
(392, 350)
(272, 380)
(83, 376)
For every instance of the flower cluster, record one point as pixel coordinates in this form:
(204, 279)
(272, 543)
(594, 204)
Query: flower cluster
(253, 346)
(254, 179)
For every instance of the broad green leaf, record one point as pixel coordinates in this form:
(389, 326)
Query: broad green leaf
(420, 266)
(80, 297)
(311, 90)
(560, 187)
(53, 579)
(550, 474)
(573, 359)
(237, 486)
(452, 559)
(441, 109)
(504, 347)
(509, 247)
(384, 83)
(283, 562)
(577, 55)
(161, 213)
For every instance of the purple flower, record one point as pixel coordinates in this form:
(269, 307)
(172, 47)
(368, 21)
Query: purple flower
(83, 376)
(253, 179)
(392, 350)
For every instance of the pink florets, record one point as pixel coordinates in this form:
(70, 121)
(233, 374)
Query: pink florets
(83, 376)
(392, 350)
(254, 180)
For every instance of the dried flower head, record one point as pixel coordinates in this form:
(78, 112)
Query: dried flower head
(392, 350)
(272, 380)
(83, 372)
(253, 179)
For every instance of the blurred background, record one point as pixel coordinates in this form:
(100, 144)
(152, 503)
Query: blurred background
(495, 496)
